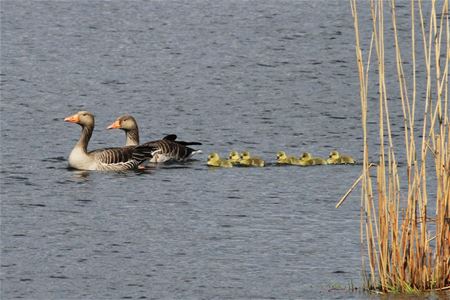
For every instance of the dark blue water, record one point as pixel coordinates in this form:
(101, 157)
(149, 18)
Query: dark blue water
(261, 76)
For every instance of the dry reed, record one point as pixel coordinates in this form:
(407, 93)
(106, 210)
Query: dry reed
(406, 251)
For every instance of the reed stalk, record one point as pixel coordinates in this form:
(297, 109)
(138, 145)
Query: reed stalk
(406, 251)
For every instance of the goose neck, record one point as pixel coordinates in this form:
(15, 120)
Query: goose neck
(86, 133)
(132, 137)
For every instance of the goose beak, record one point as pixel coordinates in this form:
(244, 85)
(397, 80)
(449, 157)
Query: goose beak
(114, 125)
(72, 119)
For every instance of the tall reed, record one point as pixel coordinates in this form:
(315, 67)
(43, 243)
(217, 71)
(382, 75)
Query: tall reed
(408, 247)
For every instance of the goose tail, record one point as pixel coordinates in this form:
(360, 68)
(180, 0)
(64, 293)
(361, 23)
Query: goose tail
(144, 152)
(196, 152)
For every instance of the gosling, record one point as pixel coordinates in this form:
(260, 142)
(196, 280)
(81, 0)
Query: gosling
(283, 159)
(336, 158)
(214, 160)
(234, 157)
(248, 161)
(310, 160)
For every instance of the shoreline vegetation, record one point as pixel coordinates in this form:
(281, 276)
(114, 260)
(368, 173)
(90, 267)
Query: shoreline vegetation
(405, 211)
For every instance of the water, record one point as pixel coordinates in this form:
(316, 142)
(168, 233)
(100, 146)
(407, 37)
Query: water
(241, 75)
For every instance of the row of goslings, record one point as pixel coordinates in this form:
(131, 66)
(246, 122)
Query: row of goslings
(306, 159)
(235, 159)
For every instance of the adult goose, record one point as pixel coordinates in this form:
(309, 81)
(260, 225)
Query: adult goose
(107, 159)
(169, 149)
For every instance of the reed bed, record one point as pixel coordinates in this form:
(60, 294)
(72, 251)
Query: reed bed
(405, 246)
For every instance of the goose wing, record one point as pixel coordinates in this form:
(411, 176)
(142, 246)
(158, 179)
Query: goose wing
(113, 155)
(119, 158)
(122, 158)
(173, 137)
(168, 149)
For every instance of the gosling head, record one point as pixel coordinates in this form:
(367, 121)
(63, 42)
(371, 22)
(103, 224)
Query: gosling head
(281, 155)
(334, 155)
(125, 122)
(306, 156)
(213, 156)
(234, 156)
(83, 118)
(245, 155)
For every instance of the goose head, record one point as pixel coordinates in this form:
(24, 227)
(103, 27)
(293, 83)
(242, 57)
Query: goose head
(83, 118)
(125, 122)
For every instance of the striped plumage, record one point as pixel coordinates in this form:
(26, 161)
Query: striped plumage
(107, 159)
(168, 148)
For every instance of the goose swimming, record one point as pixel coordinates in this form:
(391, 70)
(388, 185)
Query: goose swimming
(106, 159)
(234, 157)
(310, 160)
(214, 160)
(284, 159)
(248, 161)
(169, 148)
(336, 158)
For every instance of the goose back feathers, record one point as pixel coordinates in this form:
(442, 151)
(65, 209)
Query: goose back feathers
(168, 148)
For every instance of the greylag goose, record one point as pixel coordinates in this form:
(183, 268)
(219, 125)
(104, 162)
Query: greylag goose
(169, 148)
(107, 159)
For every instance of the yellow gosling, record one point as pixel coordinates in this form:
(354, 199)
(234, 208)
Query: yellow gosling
(309, 159)
(336, 158)
(283, 159)
(214, 160)
(234, 157)
(302, 162)
(248, 161)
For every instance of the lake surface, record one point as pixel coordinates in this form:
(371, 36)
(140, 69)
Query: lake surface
(261, 76)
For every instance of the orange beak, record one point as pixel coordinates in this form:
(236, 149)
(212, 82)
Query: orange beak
(72, 119)
(114, 125)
